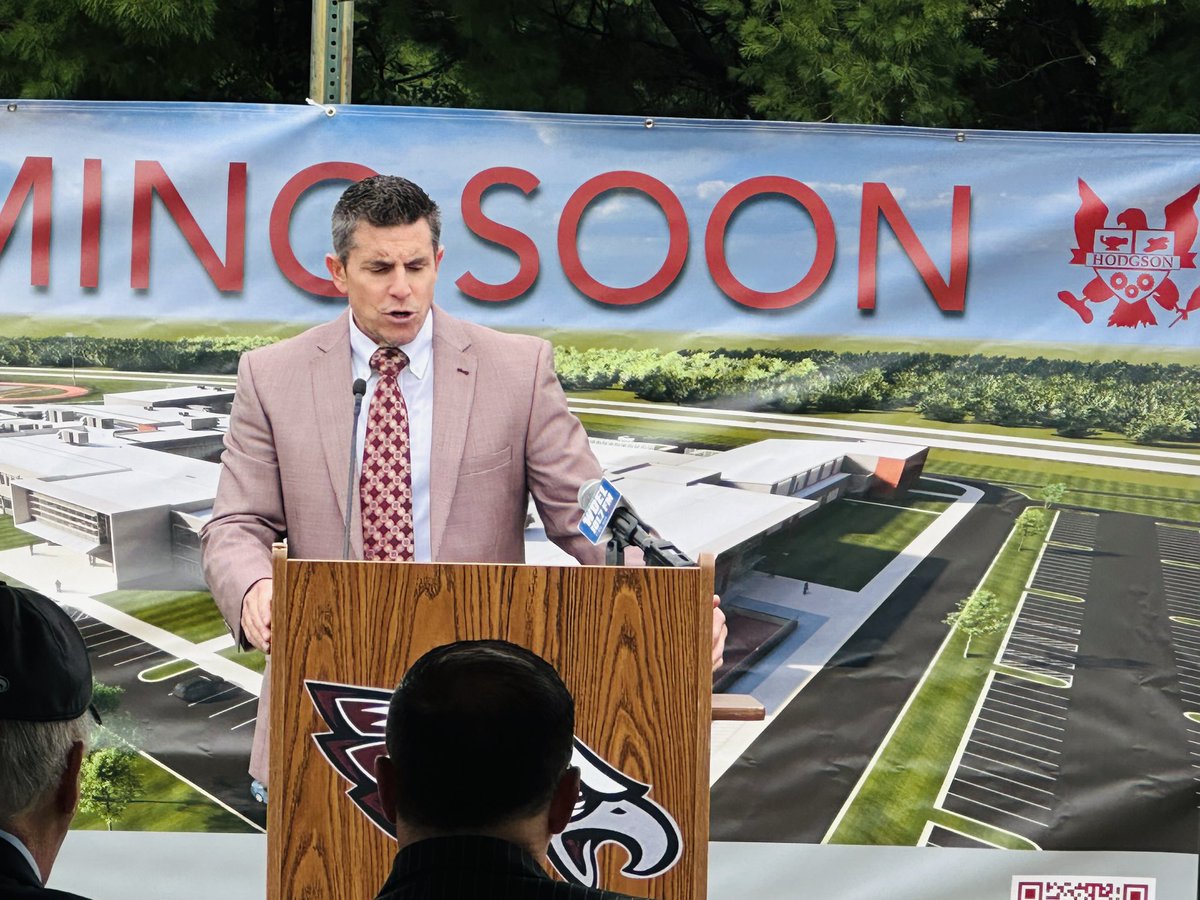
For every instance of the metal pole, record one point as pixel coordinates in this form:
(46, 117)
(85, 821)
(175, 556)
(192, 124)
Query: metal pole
(331, 60)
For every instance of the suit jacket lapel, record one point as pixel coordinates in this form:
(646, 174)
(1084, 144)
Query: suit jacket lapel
(454, 370)
(333, 401)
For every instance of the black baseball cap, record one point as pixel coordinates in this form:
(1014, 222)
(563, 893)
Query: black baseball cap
(45, 673)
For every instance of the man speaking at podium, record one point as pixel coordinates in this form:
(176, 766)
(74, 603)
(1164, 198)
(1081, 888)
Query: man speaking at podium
(460, 424)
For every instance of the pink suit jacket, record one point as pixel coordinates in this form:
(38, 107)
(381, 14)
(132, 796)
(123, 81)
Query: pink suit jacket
(501, 431)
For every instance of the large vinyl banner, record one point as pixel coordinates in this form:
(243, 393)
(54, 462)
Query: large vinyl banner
(933, 398)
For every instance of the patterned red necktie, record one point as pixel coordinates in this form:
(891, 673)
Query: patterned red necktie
(385, 487)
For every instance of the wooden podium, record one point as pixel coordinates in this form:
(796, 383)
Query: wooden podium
(632, 645)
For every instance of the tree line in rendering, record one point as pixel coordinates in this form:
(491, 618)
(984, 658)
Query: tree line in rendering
(1147, 403)
(210, 355)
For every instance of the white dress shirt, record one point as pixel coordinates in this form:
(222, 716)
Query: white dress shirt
(416, 384)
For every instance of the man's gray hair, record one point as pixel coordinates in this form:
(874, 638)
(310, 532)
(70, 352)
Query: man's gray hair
(382, 201)
(33, 757)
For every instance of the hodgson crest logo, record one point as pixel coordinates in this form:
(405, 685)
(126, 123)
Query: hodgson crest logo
(1133, 262)
(612, 807)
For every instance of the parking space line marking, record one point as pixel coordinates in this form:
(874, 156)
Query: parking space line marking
(1027, 709)
(1060, 700)
(120, 637)
(1034, 759)
(154, 652)
(1027, 693)
(235, 706)
(120, 649)
(1001, 712)
(1006, 778)
(1009, 765)
(1022, 730)
(1005, 737)
(984, 787)
(997, 809)
(228, 690)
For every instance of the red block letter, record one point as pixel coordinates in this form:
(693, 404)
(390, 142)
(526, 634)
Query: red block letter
(714, 242)
(568, 233)
(490, 230)
(89, 234)
(877, 200)
(150, 178)
(281, 221)
(36, 175)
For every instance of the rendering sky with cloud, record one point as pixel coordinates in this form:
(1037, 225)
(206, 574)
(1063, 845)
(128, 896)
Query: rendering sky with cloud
(1023, 202)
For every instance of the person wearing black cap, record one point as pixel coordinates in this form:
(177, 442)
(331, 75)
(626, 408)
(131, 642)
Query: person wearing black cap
(478, 776)
(45, 725)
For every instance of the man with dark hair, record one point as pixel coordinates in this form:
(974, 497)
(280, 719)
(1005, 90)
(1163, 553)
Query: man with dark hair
(460, 425)
(45, 725)
(479, 778)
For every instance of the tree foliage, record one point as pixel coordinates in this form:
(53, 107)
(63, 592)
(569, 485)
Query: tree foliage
(119, 728)
(191, 355)
(105, 697)
(109, 782)
(1053, 493)
(154, 49)
(1090, 65)
(1148, 403)
(650, 57)
(976, 616)
(1031, 521)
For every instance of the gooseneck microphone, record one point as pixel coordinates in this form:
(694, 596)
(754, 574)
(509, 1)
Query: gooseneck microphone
(360, 390)
(626, 528)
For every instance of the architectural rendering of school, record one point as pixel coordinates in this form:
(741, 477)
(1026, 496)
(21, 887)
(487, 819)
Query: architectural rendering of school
(130, 481)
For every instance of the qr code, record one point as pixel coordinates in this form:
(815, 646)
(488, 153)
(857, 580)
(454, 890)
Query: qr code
(1083, 887)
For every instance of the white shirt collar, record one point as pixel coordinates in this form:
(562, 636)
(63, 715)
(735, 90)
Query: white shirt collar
(419, 350)
(24, 851)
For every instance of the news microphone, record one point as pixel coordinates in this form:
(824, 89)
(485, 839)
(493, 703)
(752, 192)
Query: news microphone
(605, 511)
(360, 390)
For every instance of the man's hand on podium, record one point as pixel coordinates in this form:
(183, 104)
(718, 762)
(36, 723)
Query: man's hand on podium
(720, 632)
(256, 614)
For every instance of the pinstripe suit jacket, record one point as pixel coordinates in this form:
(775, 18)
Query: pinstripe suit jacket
(476, 868)
(501, 431)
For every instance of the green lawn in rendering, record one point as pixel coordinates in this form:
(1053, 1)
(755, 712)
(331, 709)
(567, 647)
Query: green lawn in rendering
(844, 544)
(1157, 494)
(166, 804)
(896, 797)
(11, 536)
(190, 614)
(255, 660)
(920, 502)
(682, 433)
(909, 418)
(161, 329)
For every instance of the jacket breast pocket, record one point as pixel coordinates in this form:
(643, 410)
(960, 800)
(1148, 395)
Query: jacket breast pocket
(485, 462)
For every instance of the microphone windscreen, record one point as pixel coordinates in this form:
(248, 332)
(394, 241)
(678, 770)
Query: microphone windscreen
(587, 491)
(360, 387)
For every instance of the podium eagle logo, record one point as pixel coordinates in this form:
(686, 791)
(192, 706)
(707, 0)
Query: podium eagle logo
(612, 807)
(1132, 261)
